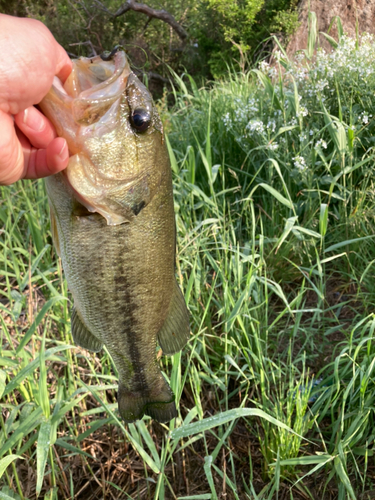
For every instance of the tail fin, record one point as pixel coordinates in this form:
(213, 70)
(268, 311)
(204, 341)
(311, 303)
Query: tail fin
(133, 406)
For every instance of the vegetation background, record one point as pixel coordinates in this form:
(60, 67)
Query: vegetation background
(215, 30)
(274, 199)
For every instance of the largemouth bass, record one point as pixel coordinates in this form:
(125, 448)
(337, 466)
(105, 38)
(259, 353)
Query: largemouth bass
(113, 225)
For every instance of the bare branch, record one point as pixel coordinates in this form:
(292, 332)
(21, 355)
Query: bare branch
(152, 76)
(162, 14)
(89, 43)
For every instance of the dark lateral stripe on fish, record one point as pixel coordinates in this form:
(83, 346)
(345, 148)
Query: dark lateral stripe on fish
(129, 320)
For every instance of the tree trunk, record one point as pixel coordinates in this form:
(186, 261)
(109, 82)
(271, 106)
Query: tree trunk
(326, 10)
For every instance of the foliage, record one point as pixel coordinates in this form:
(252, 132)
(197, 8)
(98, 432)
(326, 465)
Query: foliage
(274, 200)
(237, 17)
(216, 28)
(226, 25)
(226, 31)
(295, 146)
(285, 21)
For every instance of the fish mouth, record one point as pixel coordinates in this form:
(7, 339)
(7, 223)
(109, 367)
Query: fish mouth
(92, 76)
(90, 91)
(97, 110)
(95, 84)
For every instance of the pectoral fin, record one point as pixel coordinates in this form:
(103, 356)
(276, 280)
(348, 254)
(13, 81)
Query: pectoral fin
(82, 336)
(175, 332)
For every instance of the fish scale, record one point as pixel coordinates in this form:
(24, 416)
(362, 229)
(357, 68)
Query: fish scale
(120, 262)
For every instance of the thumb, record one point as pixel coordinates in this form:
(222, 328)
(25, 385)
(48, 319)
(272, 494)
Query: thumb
(11, 158)
(63, 64)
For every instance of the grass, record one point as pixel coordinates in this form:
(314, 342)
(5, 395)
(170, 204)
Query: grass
(274, 209)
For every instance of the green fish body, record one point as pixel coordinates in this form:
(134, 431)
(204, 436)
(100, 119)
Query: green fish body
(113, 225)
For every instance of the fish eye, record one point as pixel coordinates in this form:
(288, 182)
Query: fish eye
(140, 119)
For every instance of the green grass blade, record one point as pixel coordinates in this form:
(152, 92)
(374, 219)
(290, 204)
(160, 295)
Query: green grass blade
(4, 462)
(15, 382)
(32, 421)
(277, 195)
(223, 418)
(42, 453)
(207, 469)
(347, 242)
(42, 313)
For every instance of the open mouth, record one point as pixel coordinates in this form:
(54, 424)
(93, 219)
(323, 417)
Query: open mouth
(94, 85)
(106, 114)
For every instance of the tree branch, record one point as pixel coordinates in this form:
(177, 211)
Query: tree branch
(152, 76)
(162, 14)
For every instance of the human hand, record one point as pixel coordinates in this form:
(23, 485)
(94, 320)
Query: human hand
(30, 58)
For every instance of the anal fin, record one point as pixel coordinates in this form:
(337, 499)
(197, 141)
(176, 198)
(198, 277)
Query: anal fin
(82, 336)
(175, 332)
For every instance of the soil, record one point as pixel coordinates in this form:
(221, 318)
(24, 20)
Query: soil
(348, 11)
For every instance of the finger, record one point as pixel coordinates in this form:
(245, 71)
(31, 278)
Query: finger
(37, 128)
(11, 158)
(28, 66)
(63, 65)
(44, 162)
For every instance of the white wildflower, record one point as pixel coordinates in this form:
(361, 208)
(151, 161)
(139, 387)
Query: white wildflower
(300, 163)
(255, 126)
(321, 143)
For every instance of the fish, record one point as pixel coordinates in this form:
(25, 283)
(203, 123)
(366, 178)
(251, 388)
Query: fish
(113, 225)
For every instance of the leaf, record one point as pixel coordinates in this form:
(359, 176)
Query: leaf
(312, 34)
(340, 29)
(309, 232)
(42, 450)
(336, 131)
(347, 242)
(288, 227)
(56, 417)
(149, 441)
(282, 130)
(223, 418)
(2, 382)
(267, 84)
(4, 462)
(204, 496)
(276, 288)
(43, 387)
(15, 382)
(34, 265)
(207, 469)
(4, 496)
(309, 460)
(323, 219)
(32, 421)
(331, 40)
(37, 321)
(61, 442)
(236, 309)
(277, 195)
(172, 156)
(344, 477)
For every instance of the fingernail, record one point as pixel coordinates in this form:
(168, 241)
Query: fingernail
(33, 119)
(64, 153)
